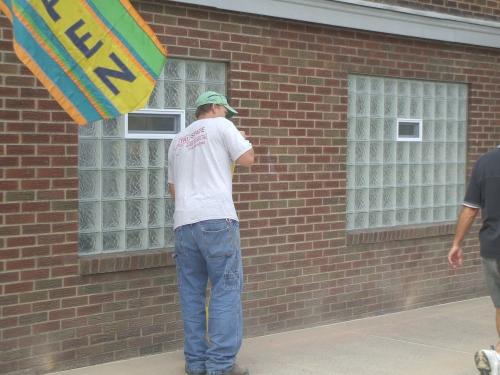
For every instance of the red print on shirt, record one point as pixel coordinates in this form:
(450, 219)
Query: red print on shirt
(193, 140)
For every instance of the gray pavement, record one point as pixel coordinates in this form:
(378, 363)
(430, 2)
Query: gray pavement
(433, 340)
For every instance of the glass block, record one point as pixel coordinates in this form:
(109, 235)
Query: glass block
(416, 89)
(377, 105)
(155, 153)
(113, 153)
(401, 217)
(193, 90)
(440, 109)
(376, 176)
(174, 94)
(451, 152)
(440, 174)
(91, 129)
(389, 152)
(440, 90)
(156, 98)
(389, 199)
(88, 153)
(89, 243)
(351, 105)
(156, 212)
(415, 196)
(451, 213)
(415, 156)
(114, 127)
(390, 87)
(190, 117)
(429, 90)
(351, 129)
(389, 218)
(427, 174)
(416, 108)
(136, 213)
(113, 184)
(426, 215)
(136, 184)
(376, 199)
(376, 129)
(169, 211)
(439, 152)
(113, 215)
(403, 106)
(361, 220)
(174, 69)
(113, 241)
(440, 130)
(429, 108)
(351, 182)
(390, 129)
(362, 152)
(438, 214)
(155, 182)
(427, 152)
(390, 106)
(361, 176)
(452, 109)
(427, 196)
(415, 174)
(452, 90)
(362, 132)
(377, 86)
(194, 71)
(460, 191)
(361, 200)
(375, 219)
(217, 87)
(461, 131)
(169, 239)
(451, 195)
(402, 152)
(136, 153)
(215, 72)
(462, 110)
(349, 221)
(350, 198)
(137, 239)
(403, 88)
(463, 91)
(362, 105)
(414, 216)
(389, 171)
(451, 131)
(439, 195)
(376, 152)
(155, 238)
(89, 216)
(89, 184)
(428, 130)
(362, 84)
(402, 197)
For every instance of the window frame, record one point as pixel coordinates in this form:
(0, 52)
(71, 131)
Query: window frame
(145, 135)
(409, 139)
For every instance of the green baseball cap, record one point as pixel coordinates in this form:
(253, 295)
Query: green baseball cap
(212, 97)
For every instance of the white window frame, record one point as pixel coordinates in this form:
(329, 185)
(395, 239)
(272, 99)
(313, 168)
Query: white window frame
(409, 139)
(176, 112)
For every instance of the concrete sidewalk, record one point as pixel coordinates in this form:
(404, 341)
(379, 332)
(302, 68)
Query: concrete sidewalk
(434, 340)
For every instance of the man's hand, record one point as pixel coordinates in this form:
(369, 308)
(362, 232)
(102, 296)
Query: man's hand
(456, 257)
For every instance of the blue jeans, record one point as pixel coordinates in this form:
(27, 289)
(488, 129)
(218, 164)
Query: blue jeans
(210, 250)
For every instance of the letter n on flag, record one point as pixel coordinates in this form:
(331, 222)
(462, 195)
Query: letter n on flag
(98, 58)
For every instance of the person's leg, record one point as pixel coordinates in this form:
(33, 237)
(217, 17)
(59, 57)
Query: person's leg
(192, 283)
(219, 241)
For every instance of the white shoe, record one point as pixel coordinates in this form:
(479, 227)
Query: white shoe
(487, 362)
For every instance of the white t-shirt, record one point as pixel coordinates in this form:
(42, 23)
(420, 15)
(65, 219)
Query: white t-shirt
(200, 162)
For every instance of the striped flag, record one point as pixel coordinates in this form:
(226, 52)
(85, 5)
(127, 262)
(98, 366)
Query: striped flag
(98, 58)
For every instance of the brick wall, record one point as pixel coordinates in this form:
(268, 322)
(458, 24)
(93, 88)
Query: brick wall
(289, 83)
(482, 9)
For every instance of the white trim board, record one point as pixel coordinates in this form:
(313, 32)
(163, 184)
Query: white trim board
(368, 16)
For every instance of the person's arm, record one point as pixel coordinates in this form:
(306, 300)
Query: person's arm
(171, 189)
(247, 159)
(465, 220)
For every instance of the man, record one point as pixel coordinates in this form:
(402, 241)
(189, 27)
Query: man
(484, 193)
(207, 239)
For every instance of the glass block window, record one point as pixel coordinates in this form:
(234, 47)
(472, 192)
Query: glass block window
(124, 202)
(393, 182)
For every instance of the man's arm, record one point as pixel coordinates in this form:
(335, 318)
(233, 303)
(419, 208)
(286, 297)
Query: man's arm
(171, 189)
(465, 220)
(247, 158)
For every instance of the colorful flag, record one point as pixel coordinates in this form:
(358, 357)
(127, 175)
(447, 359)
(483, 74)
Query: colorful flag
(98, 58)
